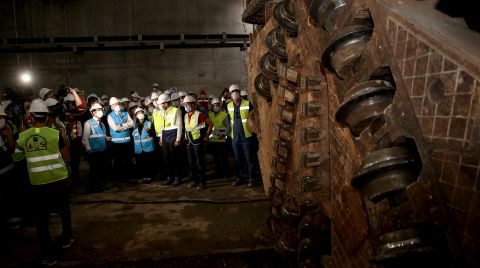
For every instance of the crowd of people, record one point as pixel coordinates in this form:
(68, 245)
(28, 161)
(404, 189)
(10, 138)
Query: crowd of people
(132, 138)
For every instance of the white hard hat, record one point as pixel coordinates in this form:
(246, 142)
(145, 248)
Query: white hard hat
(5, 104)
(163, 98)
(138, 110)
(135, 95)
(38, 106)
(51, 102)
(174, 96)
(215, 101)
(154, 95)
(211, 96)
(44, 91)
(189, 98)
(132, 104)
(148, 101)
(124, 99)
(113, 101)
(233, 87)
(155, 85)
(2, 111)
(182, 94)
(69, 97)
(93, 95)
(167, 92)
(104, 97)
(243, 92)
(96, 106)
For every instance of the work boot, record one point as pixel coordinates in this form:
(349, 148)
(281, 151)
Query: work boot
(176, 182)
(237, 182)
(168, 181)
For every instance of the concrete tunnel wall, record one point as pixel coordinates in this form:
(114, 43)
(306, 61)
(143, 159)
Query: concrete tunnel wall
(118, 72)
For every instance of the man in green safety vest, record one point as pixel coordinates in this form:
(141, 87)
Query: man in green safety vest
(218, 139)
(242, 140)
(198, 128)
(44, 150)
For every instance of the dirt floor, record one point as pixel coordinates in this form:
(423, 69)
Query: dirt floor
(150, 225)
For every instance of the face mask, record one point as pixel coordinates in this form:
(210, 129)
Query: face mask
(216, 109)
(140, 116)
(117, 108)
(235, 95)
(150, 110)
(99, 114)
(176, 103)
(2, 123)
(188, 108)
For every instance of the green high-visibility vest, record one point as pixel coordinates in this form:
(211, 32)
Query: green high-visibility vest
(18, 155)
(244, 110)
(217, 125)
(192, 127)
(169, 121)
(44, 160)
(157, 121)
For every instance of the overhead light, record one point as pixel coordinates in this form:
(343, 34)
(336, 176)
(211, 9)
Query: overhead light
(26, 77)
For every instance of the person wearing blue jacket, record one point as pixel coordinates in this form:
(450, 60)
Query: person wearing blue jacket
(144, 146)
(120, 124)
(95, 140)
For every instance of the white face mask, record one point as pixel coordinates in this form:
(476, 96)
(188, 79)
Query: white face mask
(176, 103)
(235, 95)
(216, 109)
(188, 108)
(99, 114)
(140, 116)
(117, 108)
(2, 123)
(150, 110)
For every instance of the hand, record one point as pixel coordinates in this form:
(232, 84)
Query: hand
(177, 143)
(160, 143)
(109, 138)
(71, 90)
(89, 151)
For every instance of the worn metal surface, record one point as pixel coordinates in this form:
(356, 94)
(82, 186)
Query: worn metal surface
(268, 66)
(347, 48)
(276, 43)
(325, 13)
(385, 172)
(262, 85)
(363, 104)
(284, 14)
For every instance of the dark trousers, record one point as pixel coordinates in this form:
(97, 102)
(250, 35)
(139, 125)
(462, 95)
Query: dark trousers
(243, 148)
(219, 151)
(76, 148)
(170, 160)
(122, 160)
(196, 157)
(47, 198)
(145, 165)
(99, 162)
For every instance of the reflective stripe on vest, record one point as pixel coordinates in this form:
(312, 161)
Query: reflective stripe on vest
(44, 160)
(142, 141)
(192, 126)
(97, 138)
(244, 111)
(120, 136)
(218, 126)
